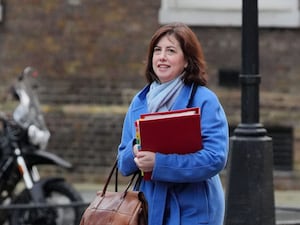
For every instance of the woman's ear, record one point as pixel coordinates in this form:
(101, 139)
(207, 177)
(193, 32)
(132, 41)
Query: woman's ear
(185, 65)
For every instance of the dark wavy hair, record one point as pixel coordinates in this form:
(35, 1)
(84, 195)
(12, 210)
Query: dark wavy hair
(195, 72)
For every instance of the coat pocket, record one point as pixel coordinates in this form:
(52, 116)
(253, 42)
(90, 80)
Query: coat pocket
(193, 200)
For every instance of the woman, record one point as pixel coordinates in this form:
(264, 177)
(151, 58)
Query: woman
(184, 189)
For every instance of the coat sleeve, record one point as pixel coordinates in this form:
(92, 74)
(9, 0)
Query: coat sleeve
(126, 164)
(206, 162)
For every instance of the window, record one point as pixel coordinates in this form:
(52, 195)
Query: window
(1, 12)
(282, 140)
(229, 77)
(279, 13)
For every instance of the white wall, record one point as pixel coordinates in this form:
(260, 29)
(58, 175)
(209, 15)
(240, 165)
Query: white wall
(272, 13)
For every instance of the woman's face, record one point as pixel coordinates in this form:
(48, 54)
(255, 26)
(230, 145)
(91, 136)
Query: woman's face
(168, 60)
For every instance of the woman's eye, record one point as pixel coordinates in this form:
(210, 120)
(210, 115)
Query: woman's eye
(170, 50)
(156, 50)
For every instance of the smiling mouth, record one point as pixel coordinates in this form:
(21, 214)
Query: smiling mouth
(163, 66)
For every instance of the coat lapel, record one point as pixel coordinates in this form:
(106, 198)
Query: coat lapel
(183, 98)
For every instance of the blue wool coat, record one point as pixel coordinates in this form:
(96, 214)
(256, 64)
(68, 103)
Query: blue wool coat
(184, 189)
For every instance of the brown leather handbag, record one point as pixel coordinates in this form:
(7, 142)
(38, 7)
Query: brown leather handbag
(117, 208)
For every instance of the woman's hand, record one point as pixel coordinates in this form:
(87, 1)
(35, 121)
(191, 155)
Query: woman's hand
(144, 159)
(136, 148)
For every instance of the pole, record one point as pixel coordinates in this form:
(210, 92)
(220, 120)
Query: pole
(249, 191)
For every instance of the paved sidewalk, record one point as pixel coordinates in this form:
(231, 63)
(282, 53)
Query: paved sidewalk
(287, 202)
(287, 205)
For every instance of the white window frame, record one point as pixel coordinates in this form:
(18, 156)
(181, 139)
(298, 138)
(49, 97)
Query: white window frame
(272, 13)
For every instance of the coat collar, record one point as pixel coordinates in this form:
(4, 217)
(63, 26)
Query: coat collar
(183, 98)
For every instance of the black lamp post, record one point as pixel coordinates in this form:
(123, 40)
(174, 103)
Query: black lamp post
(249, 192)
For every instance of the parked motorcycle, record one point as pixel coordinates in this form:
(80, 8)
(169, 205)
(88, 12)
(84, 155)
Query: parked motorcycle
(26, 198)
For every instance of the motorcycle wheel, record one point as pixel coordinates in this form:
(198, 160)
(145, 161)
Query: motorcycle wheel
(55, 192)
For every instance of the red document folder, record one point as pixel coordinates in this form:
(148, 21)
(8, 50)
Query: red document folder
(176, 131)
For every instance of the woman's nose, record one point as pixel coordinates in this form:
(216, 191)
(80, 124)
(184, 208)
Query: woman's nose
(162, 56)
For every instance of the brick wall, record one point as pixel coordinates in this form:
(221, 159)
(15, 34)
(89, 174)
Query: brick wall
(90, 57)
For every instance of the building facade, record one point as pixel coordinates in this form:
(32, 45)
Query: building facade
(90, 56)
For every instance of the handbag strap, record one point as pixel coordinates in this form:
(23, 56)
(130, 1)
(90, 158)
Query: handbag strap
(115, 169)
(116, 178)
(109, 178)
(194, 89)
